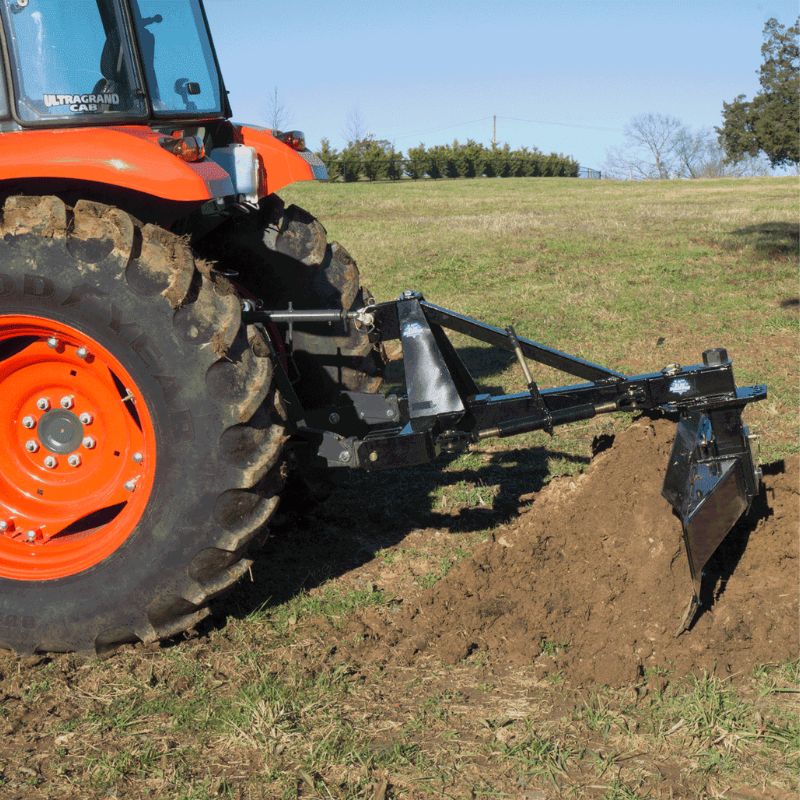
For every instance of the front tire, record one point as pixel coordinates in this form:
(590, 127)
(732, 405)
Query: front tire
(182, 410)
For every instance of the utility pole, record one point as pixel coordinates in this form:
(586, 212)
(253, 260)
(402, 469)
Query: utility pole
(494, 130)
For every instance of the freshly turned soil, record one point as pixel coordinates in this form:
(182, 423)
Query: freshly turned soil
(592, 580)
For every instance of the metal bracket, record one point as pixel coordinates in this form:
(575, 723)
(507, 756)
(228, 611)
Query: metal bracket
(432, 392)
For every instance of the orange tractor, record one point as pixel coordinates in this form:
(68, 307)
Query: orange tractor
(168, 327)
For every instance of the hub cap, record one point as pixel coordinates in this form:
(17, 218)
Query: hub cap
(60, 432)
(78, 450)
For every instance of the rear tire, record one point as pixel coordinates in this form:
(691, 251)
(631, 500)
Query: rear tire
(282, 254)
(175, 329)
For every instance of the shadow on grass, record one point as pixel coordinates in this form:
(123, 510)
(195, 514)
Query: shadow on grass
(483, 362)
(772, 239)
(372, 511)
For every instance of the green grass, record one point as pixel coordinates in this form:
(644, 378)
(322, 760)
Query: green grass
(539, 757)
(332, 604)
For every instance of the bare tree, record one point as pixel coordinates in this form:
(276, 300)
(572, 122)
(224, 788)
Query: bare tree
(661, 146)
(692, 151)
(653, 136)
(699, 155)
(277, 113)
(354, 128)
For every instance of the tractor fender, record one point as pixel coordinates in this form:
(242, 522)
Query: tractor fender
(281, 164)
(129, 157)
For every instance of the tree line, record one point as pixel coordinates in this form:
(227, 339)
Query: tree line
(376, 159)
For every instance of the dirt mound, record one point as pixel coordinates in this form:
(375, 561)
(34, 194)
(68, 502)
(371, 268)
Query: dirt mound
(592, 580)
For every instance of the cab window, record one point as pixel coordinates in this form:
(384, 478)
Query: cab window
(177, 58)
(69, 60)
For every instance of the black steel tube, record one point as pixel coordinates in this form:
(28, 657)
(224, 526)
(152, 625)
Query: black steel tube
(490, 334)
(562, 417)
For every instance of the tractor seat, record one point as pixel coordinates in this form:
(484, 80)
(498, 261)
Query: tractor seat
(112, 68)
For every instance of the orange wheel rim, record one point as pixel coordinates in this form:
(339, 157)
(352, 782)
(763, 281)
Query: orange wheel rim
(78, 450)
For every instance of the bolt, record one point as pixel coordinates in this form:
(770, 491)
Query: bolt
(334, 418)
(373, 456)
(88, 442)
(32, 446)
(51, 462)
(390, 413)
(31, 536)
(82, 352)
(67, 401)
(344, 456)
(28, 422)
(74, 460)
(138, 458)
(130, 486)
(3, 526)
(43, 404)
(53, 343)
(86, 419)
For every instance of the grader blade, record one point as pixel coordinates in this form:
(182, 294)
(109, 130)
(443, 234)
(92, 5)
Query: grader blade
(711, 481)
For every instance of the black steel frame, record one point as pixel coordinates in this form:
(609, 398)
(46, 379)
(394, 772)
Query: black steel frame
(711, 477)
(443, 410)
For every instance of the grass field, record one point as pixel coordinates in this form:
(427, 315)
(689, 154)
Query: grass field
(634, 276)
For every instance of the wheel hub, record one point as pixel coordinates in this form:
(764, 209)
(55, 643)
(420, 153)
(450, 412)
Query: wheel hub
(78, 450)
(60, 431)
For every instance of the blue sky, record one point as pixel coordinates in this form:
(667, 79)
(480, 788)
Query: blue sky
(434, 71)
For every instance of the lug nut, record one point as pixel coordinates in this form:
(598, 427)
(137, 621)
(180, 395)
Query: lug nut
(43, 404)
(32, 446)
(53, 343)
(86, 419)
(67, 401)
(89, 443)
(31, 536)
(138, 458)
(51, 462)
(74, 460)
(130, 486)
(28, 422)
(83, 353)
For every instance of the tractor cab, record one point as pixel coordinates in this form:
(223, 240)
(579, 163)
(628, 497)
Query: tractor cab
(109, 92)
(110, 61)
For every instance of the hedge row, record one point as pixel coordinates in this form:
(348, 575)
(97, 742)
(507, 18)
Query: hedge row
(376, 159)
